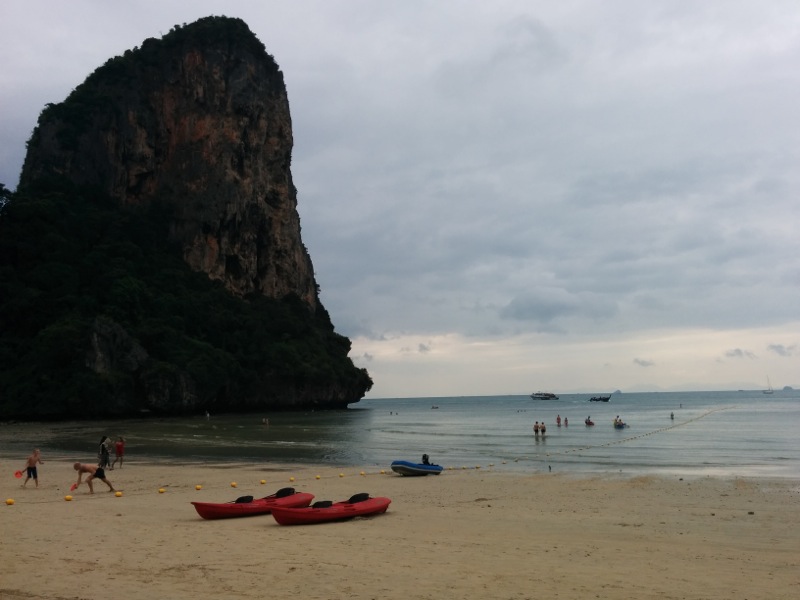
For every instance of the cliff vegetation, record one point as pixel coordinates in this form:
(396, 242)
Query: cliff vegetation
(151, 260)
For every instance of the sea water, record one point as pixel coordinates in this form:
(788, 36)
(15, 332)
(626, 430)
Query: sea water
(689, 433)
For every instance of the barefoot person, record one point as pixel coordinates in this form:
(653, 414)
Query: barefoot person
(94, 473)
(30, 467)
(119, 450)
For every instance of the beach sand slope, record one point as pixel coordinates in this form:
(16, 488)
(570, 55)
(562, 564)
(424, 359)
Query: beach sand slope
(468, 534)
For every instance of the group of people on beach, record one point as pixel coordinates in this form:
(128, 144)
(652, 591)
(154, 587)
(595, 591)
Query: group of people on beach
(91, 471)
(104, 452)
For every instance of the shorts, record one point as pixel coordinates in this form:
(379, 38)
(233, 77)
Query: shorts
(99, 474)
(32, 474)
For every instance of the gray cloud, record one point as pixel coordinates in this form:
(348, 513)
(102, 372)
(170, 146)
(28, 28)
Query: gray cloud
(739, 353)
(594, 179)
(782, 350)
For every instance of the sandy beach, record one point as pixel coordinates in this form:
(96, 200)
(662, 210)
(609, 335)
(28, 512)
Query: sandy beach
(468, 533)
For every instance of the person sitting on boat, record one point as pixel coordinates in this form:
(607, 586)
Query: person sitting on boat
(425, 459)
(588, 421)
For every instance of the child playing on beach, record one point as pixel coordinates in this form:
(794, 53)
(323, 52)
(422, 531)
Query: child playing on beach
(30, 467)
(119, 450)
(94, 473)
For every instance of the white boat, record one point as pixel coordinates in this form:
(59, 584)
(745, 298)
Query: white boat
(544, 396)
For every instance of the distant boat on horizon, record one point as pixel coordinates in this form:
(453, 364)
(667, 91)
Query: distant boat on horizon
(769, 387)
(544, 396)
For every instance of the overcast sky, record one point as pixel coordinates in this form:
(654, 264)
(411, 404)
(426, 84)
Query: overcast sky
(511, 196)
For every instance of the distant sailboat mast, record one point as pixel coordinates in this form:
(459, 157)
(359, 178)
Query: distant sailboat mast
(769, 386)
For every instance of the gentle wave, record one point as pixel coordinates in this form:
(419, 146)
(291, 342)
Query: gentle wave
(692, 433)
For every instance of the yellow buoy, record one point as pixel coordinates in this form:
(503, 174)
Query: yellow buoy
(67, 498)
(198, 487)
(161, 490)
(118, 494)
(9, 501)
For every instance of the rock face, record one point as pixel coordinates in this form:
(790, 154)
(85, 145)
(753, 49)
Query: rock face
(200, 122)
(195, 129)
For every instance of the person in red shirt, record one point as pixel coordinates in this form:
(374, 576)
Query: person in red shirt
(119, 450)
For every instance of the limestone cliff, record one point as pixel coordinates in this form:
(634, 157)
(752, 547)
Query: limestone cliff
(200, 121)
(167, 164)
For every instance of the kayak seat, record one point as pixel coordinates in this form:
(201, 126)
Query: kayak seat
(283, 492)
(322, 504)
(358, 498)
(243, 500)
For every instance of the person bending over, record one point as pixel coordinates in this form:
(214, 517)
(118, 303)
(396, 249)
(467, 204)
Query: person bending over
(94, 473)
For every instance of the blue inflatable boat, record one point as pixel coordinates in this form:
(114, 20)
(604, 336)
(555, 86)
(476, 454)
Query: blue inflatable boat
(405, 467)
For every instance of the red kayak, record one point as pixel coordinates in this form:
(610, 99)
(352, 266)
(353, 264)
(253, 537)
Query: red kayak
(246, 506)
(360, 505)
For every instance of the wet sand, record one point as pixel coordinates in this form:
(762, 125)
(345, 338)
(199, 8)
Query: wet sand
(469, 533)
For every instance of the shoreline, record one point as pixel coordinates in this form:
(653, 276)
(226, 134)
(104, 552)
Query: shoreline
(16, 443)
(467, 533)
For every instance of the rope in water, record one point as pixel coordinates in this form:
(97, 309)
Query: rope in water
(636, 437)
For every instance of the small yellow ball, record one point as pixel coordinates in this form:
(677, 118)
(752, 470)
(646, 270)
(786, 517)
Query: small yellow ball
(9, 501)
(233, 484)
(291, 478)
(341, 474)
(318, 476)
(198, 487)
(161, 490)
(383, 471)
(67, 498)
(118, 494)
(263, 481)
(362, 473)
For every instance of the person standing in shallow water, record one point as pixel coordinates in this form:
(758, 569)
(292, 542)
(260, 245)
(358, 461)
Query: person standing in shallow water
(536, 429)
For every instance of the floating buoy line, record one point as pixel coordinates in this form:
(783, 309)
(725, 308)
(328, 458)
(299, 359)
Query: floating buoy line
(635, 437)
